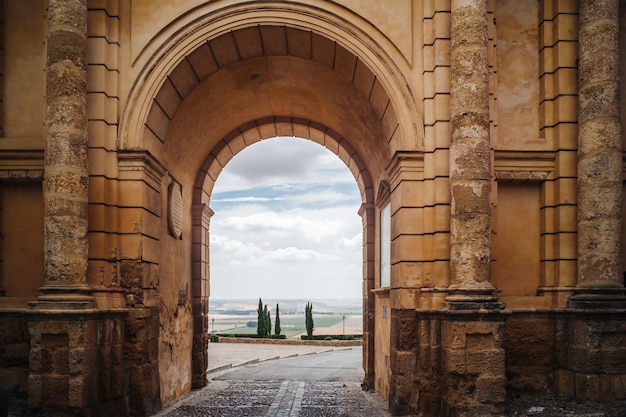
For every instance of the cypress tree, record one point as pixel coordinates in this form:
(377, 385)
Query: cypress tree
(260, 321)
(268, 323)
(277, 322)
(308, 320)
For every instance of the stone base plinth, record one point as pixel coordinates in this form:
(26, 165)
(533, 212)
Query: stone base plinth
(473, 363)
(596, 369)
(448, 362)
(76, 361)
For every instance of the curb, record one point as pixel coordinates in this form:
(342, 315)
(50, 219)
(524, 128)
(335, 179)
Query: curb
(335, 343)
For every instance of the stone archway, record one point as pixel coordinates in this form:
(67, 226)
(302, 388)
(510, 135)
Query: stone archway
(221, 85)
(144, 101)
(230, 145)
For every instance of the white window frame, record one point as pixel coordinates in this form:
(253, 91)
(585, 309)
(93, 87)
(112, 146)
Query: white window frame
(385, 245)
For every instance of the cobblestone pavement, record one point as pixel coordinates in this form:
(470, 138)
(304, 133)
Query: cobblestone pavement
(279, 399)
(273, 398)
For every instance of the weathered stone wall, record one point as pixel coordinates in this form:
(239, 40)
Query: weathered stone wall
(596, 348)
(536, 346)
(448, 363)
(175, 293)
(77, 363)
(474, 381)
(141, 356)
(429, 366)
(14, 352)
(403, 361)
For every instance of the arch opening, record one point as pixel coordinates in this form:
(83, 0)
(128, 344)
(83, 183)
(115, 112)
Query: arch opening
(286, 230)
(204, 189)
(286, 224)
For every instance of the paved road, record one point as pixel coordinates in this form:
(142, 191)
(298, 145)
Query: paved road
(336, 366)
(227, 355)
(315, 385)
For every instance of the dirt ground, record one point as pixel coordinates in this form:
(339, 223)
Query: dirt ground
(549, 406)
(353, 325)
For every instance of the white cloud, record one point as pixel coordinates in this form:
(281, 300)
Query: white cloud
(356, 242)
(291, 254)
(282, 161)
(240, 253)
(325, 196)
(248, 199)
(291, 223)
(222, 245)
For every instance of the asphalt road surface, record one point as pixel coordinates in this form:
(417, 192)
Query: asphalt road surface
(319, 385)
(337, 366)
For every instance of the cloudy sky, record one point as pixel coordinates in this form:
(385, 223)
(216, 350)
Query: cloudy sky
(286, 224)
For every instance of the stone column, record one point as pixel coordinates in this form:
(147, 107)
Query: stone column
(472, 354)
(594, 362)
(65, 171)
(470, 158)
(600, 269)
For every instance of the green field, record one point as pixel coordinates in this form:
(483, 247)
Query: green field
(291, 325)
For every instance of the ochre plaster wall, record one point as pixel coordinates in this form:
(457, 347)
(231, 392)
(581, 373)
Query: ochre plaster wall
(21, 220)
(517, 104)
(516, 244)
(23, 63)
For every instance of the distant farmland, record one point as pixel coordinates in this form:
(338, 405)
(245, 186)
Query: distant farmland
(330, 316)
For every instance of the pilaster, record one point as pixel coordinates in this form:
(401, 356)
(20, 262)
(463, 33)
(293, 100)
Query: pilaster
(201, 218)
(141, 178)
(103, 46)
(367, 213)
(558, 40)
(434, 196)
(140, 208)
(409, 244)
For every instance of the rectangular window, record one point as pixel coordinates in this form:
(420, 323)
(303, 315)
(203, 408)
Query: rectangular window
(385, 245)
